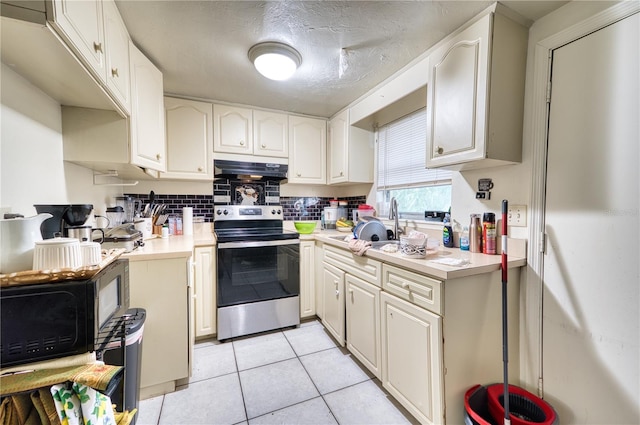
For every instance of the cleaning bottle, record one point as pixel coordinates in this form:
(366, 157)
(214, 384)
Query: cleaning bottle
(447, 231)
(464, 239)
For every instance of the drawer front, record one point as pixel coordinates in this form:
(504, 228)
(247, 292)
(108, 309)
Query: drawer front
(413, 287)
(365, 268)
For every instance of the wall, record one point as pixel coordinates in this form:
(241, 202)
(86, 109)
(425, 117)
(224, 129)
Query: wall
(31, 167)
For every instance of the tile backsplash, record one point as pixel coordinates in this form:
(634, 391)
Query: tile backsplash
(236, 192)
(303, 209)
(202, 204)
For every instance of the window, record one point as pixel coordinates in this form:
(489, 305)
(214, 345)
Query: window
(401, 171)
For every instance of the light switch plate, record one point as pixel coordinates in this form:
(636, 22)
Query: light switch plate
(517, 215)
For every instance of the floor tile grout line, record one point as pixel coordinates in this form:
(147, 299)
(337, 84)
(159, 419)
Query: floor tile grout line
(244, 403)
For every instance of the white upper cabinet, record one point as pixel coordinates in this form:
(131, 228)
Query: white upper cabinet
(81, 25)
(307, 150)
(233, 130)
(96, 33)
(117, 54)
(250, 132)
(189, 139)
(270, 134)
(148, 148)
(475, 97)
(350, 152)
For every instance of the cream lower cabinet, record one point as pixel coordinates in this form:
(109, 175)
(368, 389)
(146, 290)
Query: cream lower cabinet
(163, 289)
(307, 279)
(333, 317)
(363, 323)
(412, 358)
(204, 291)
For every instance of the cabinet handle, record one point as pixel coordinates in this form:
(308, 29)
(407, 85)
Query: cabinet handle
(299, 175)
(405, 285)
(263, 146)
(114, 72)
(97, 47)
(341, 173)
(241, 142)
(337, 293)
(350, 291)
(158, 156)
(439, 150)
(199, 168)
(335, 282)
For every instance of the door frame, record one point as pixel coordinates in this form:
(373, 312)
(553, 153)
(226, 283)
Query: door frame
(536, 131)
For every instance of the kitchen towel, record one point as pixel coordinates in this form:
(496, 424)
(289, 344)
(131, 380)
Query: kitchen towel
(187, 221)
(359, 246)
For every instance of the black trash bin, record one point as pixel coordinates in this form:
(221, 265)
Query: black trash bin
(130, 356)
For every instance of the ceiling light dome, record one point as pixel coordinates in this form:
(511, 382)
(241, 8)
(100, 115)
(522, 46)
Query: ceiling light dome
(276, 61)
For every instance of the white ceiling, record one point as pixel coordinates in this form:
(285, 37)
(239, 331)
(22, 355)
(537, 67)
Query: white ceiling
(201, 46)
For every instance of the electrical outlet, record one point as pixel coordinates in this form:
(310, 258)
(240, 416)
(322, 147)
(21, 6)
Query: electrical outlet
(517, 215)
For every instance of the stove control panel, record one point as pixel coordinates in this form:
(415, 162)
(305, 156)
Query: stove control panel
(246, 212)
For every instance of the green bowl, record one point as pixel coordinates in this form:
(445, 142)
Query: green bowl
(305, 227)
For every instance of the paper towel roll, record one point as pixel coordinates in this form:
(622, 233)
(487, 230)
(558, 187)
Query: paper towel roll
(187, 221)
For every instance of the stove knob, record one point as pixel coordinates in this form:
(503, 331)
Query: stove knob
(279, 212)
(273, 212)
(226, 212)
(219, 212)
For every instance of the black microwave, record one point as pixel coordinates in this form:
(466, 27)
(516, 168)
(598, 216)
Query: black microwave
(52, 320)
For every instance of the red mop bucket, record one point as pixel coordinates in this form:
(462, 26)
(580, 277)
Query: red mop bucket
(488, 405)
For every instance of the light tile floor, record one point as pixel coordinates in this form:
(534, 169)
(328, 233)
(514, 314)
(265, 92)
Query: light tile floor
(296, 376)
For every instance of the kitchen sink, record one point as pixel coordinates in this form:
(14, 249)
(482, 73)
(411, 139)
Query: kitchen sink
(380, 244)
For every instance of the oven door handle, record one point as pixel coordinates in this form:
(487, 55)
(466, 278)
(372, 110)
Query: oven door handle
(258, 244)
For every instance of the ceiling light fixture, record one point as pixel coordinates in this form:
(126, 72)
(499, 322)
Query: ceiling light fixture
(276, 61)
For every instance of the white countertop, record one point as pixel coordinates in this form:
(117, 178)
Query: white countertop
(478, 263)
(171, 247)
(182, 246)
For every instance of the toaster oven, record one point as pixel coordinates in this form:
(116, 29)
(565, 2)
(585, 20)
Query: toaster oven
(50, 320)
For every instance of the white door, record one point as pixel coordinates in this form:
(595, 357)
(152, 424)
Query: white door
(591, 280)
(333, 301)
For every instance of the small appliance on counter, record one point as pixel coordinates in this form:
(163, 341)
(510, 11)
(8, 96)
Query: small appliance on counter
(65, 216)
(123, 236)
(363, 210)
(332, 215)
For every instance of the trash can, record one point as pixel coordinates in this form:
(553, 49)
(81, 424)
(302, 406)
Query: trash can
(129, 356)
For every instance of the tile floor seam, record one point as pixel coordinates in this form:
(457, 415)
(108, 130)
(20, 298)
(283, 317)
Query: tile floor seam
(244, 403)
(318, 389)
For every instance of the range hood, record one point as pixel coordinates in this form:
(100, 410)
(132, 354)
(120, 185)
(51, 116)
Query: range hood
(249, 170)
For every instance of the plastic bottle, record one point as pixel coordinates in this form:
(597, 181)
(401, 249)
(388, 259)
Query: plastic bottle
(447, 232)
(489, 233)
(464, 239)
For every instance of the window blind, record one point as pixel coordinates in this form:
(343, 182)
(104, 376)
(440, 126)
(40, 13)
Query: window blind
(402, 154)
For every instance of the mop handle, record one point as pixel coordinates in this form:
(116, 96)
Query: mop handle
(505, 338)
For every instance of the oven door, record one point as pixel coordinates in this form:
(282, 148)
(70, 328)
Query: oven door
(257, 271)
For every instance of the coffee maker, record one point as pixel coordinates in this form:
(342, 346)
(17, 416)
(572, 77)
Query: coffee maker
(65, 217)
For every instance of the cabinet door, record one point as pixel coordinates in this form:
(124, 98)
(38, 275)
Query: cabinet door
(363, 323)
(333, 301)
(205, 291)
(337, 148)
(307, 279)
(412, 368)
(147, 113)
(270, 134)
(307, 150)
(80, 23)
(189, 139)
(457, 97)
(233, 130)
(117, 55)
(161, 288)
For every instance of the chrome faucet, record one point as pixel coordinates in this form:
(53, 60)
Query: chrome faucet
(393, 215)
